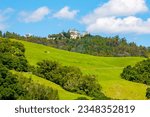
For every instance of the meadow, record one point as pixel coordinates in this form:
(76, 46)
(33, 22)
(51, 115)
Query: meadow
(106, 69)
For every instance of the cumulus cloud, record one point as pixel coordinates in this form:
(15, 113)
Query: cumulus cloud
(129, 24)
(117, 8)
(66, 13)
(35, 16)
(106, 17)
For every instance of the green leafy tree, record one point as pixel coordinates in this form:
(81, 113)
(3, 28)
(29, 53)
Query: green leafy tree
(139, 73)
(9, 86)
(1, 34)
(12, 55)
(70, 78)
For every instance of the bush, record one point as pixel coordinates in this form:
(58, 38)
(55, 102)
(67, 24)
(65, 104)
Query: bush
(69, 77)
(9, 85)
(82, 98)
(35, 91)
(148, 93)
(13, 87)
(12, 55)
(139, 73)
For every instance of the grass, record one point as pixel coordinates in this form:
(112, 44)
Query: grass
(63, 94)
(107, 69)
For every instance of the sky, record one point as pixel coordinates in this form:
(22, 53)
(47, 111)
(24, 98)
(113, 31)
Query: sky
(126, 18)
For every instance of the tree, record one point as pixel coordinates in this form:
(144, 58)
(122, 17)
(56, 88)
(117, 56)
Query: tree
(12, 55)
(139, 73)
(1, 34)
(148, 93)
(35, 91)
(70, 78)
(9, 86)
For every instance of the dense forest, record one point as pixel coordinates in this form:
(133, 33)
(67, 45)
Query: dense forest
(89, 44)
(18, 87)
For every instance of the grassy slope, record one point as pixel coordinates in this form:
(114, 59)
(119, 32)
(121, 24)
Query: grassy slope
(63, 94)
(107, 69)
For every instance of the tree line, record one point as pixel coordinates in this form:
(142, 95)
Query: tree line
(89, 44)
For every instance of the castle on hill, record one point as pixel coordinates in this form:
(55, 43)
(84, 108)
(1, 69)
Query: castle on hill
(72, 34)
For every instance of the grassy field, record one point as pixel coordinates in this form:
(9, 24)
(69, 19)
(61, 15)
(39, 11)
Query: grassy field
(107, 69)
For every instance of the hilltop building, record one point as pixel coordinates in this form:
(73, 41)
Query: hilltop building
(73, 34)
(27, 35)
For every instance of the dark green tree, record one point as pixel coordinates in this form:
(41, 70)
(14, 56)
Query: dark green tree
(1, 34)
(139, 73)
(148, 93)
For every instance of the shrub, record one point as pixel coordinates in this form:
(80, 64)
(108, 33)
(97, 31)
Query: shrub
(148, 93)
(82, 98)
(139, 73)
(69, 77)
(9, 85)
(12, 55)
(36, 91)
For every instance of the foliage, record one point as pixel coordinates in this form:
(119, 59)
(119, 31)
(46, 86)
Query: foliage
(139, 73)
(70, 78)
(1, 34)
(63, 94)
(10, 89)
(12, 55)
(13, 87)
(148, 93)
(81, 98)
(35, 91)
(106, 69)
(89, 44)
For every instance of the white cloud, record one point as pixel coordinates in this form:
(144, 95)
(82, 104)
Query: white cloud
(66, 13)
(121, 7)
(117, 8)
(35, 16)
(105, 18)
(129, 24)
(8, 10)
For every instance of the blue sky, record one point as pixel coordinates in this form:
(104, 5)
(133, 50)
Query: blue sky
(126, 18)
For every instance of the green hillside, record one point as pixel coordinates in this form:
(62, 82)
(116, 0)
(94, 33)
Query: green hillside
(106, 69)
(63, 94)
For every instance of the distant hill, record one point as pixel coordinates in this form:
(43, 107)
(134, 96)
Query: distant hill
(87, 44)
